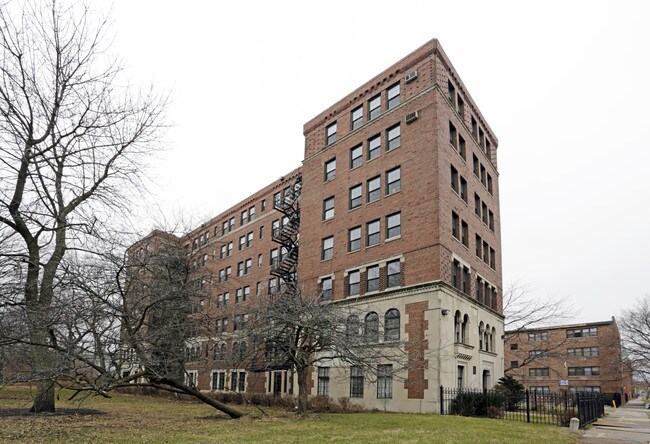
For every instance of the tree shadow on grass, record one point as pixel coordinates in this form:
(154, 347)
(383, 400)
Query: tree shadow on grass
(9, 413)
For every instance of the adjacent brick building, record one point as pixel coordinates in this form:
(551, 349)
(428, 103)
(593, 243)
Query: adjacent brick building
(399, 213)
(576, 357)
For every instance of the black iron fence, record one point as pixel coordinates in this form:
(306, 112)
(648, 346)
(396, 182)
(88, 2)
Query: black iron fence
(526, 406)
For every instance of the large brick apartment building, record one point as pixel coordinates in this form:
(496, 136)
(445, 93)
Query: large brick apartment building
(398, 213)
(576, 357)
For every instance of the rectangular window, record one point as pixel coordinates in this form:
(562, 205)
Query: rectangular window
(483, 180)
(393, 225)
(489, 183)
(275, 228)
(372, 278)
(461, 107)
(455, 225)
(259, 260)
(392, 96)
(455, 273)
(251, 214)
(451, 93)
(374, 147)
(474, 127)
(478, 241)
(224, 228)
(230, 248)
(463, 189)
(244, 217)
(328, 208)
(477, 205)
(481, 138)
(248, 265)
(393, 181)
(223, 252)
(356, 156)
(374, 107)
(484, 213)
(330, 169)
(247, 293)
(331, 134)
(372, 233)
(514, 364)
(475, 165)
(249, 239)
(486, 252)
(453, 135)
(393, 274)
(355, 196)
(356, 382)
(460, 370)
(273, 257)
(326, 289)
(323, 381)
(582, 332)
(492, 258)
(385, 381)
(464, 233)
(491, 220)
(454, 179)
(462, 151)
(584, 371)
(538, 354)
(240, 269)
(239, 294)
(538, 336)
(354, 283)
(354, 239)
(374, 188)
(587, 352)
(228, 272)
(538, 372)
(393, 137)
(328, 248)
(242, 242)
(356, 117)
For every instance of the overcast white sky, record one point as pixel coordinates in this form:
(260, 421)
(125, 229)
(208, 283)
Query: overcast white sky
(563, 84)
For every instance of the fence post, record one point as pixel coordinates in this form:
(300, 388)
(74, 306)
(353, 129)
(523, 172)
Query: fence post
(527, 406)
(442, 399)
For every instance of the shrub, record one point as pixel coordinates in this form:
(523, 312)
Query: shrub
(564, 417)
(322, 404)
(476, 403)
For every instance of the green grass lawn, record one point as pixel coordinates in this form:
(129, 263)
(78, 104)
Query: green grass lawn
(128, 419)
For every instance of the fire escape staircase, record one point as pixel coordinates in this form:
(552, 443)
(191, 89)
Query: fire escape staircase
(288, 235)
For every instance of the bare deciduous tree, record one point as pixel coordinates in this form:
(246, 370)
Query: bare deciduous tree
(523, 311)
(72, 140)
(635, 336)
(296, 329)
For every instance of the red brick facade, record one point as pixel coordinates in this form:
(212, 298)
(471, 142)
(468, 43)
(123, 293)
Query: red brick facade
(412, 155)
(569, 357)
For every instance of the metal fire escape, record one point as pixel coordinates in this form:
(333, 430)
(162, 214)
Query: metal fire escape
(287, 235)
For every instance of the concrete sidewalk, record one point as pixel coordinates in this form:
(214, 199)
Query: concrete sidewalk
(629, 423)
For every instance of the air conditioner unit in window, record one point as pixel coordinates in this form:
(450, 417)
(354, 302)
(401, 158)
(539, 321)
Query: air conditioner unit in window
(412, 117)
(411, 76)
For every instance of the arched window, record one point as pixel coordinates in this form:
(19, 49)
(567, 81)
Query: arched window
(457, 327)
(492, 335)
(371, 327)
(222, 351)
(235, 351)
(463, 332)
(480, 336)
(242, 351)
(352, 328)
(391, 325)
(486, 338)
